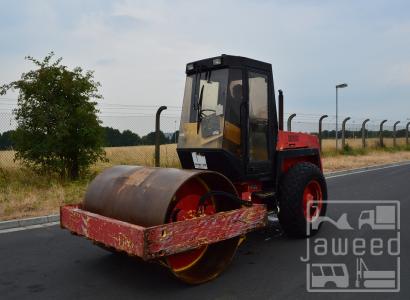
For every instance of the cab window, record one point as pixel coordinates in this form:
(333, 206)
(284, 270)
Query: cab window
(258, 116)
(234, 101)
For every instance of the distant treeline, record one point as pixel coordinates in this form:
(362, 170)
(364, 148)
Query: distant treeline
(112, 138)
(116, 138)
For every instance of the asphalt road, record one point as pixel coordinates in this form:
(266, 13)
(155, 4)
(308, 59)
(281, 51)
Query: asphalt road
(50, 263)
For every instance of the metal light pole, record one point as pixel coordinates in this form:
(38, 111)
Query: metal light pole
(339, 86)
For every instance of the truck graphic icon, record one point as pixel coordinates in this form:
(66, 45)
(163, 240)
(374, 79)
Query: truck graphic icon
(381, 218)
(373, 279)
(329, 274)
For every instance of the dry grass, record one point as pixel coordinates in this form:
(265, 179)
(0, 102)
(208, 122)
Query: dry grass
(346, 162)
(26, 194)
(140, 155)
(330, 144)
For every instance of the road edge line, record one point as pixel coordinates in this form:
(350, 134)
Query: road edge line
(341, 173)
(28, 222)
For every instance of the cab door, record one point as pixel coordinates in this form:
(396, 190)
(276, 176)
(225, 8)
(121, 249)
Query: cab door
(258, 123)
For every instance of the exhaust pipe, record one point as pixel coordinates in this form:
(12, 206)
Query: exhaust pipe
(280, 110)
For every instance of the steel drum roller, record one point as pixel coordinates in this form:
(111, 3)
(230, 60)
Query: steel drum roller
(153, 196)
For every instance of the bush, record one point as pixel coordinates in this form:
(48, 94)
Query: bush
(57, 126)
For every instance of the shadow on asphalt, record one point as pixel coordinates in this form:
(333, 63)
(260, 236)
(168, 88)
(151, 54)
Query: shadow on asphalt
(124, 271)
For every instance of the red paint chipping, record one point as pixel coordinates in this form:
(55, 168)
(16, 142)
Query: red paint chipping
(163, 240)
(120, 235)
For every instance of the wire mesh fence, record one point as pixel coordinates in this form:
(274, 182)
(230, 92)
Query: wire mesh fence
(142, 152)
(128, 139)
(130, 136)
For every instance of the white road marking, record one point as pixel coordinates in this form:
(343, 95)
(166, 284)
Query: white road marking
(367, 170)
(29, 227)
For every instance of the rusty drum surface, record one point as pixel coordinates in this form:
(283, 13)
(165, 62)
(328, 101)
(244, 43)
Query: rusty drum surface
(153, 196)
(143, 195)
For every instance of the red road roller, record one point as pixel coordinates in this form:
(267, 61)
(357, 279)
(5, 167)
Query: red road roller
(238, 166)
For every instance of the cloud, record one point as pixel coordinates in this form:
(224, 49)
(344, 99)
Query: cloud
(398, 74)
(105, 62)
(139, 49)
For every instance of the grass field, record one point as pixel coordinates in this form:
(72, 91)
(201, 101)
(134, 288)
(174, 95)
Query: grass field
(136, 155)
(25, 194)
(330, 144)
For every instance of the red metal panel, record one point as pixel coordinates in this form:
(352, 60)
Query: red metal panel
(163, 240)
(297, 140)
(294, 140)
(120, 235)
(181, 236)
(247, 188)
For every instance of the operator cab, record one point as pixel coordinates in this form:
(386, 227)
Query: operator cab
(228, 121)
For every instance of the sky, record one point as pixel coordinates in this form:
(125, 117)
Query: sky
(139, 49)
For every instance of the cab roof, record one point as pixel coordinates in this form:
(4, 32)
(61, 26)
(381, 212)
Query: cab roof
(224, 61)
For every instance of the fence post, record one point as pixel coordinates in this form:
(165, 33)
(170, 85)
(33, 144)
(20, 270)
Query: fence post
(343, 132)
(407, 133)
(381, 133)
(157, 131)
(290, 121)
(320, 130)
(394, 133)
(280, 108)
(364, 133)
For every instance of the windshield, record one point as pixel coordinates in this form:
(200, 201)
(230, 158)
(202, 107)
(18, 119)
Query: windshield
(210, 110)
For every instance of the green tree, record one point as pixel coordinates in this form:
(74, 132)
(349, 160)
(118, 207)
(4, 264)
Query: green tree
(174, 138)
(130, 138)
(112, 137)
(149, 139)
(6, 141)
(57, 126)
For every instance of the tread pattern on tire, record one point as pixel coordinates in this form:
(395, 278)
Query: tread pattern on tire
(292, 185)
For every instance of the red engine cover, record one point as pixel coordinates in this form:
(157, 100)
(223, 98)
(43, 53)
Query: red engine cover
(293, 140)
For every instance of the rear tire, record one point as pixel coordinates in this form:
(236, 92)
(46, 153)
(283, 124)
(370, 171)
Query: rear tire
(301, 193)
